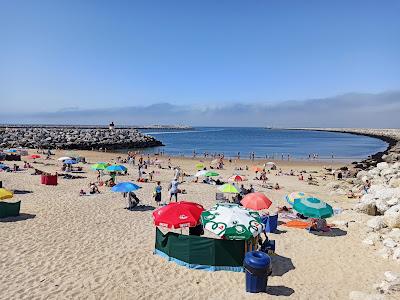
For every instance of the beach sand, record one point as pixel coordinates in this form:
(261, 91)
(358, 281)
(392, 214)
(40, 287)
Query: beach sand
(64, 246)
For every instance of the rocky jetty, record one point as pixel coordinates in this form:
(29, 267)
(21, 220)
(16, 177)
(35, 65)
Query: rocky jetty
(74, 138)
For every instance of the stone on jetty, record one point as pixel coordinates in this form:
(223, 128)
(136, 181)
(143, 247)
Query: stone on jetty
(74, 138)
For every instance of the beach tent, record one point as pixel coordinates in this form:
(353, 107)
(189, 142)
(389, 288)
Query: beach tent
(198, 252)
(8, 209)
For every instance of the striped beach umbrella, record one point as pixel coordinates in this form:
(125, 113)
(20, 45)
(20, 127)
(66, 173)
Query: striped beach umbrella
(313, 208)
(293, 196)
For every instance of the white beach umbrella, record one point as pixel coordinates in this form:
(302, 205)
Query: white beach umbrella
(200, 173)
(64, 158)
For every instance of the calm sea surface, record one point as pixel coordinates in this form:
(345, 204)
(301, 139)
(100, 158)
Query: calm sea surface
(272, 142)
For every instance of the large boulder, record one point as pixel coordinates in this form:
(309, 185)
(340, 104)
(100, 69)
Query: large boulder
(376, 223)
(382, 165)
(381, 206)
(367, 206)
(392, 216)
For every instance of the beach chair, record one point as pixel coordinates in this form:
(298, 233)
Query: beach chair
(271, 223)
(219, 197)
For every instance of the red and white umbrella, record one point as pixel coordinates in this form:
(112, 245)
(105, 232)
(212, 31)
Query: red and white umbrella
(237, 178)
(178, 214)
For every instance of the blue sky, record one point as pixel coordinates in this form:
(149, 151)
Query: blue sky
(58, 55)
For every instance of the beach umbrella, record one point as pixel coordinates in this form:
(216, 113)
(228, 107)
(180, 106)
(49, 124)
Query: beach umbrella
(237, 178)
(228, 188)
(211, 174)
(64, 158)
(256, 201)
(293, 196)
(257, 168)
(270, 163)
(200, 173)
(116, 168)
(313, 208)
(70, 161)
(5, 194)
(11, 151)
(99, 166)
(178, 214)
(125, 187)
(34, 156)
(232, 221)
(199, 166)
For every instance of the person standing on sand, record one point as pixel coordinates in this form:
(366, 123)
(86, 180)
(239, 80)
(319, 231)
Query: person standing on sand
(157, 193)
(173, 190)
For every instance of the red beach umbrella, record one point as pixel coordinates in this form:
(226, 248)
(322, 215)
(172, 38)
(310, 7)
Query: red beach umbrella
(256, 201)
(237, 178)
(178, 214)
(34, 156)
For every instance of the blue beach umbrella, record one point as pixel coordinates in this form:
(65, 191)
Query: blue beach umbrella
(69, 162)
(116, 168)
(313, 208)
(125, 187)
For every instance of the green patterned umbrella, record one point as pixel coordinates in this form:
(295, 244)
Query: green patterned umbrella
(232, 221)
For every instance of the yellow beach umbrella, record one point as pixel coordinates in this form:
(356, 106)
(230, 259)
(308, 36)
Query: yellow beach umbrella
(199, 166)
(5, 194)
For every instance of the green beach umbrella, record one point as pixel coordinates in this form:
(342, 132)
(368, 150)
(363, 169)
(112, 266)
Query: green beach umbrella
(99, 166)
(313, 208)
(211, 174)
(199, 166)
(228, 188)
(232, 222)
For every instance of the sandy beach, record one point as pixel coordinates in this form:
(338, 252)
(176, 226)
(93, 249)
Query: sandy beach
(65, 246)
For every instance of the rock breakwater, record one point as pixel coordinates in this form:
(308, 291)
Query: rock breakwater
(74, 138)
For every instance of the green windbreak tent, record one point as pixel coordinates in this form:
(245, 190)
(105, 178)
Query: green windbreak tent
(201, 253)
